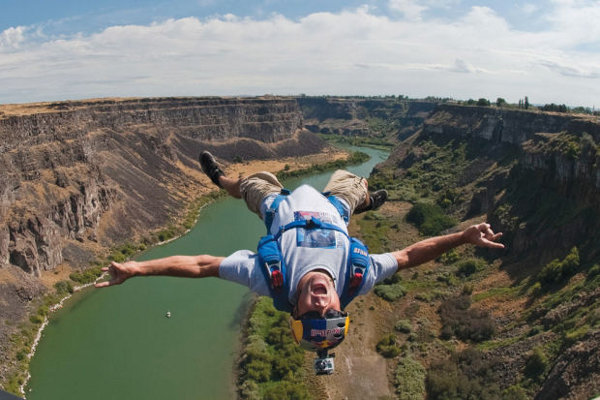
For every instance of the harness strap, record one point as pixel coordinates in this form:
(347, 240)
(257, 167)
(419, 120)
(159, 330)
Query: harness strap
(273, 266)
(338, 205)
(272, 210)
(312, 223)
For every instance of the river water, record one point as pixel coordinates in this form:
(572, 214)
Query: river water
(116, 343)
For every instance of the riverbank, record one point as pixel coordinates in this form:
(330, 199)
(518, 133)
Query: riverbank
(59, 291)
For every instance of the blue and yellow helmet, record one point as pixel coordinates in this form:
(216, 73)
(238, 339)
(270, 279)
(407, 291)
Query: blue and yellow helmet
(314, 332)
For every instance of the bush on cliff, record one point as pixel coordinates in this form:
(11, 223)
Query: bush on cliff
(460, 320)
(429, 218)
(557, 271)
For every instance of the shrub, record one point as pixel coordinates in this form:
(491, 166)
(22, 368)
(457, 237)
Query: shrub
(466, 375)
(429, 218)
(449, 257)
(595, 270)
(467, 290)
(410, 379)
(403, 326)
(86, 276)
(21, 354)
(272, 362)
(465, 323)
(390, 292)
(536, 364)
(515, 392)
(469, 266)
(387, 346)
(63, 287)
(286, 390)
(535, 289)
(447, 278)
(557, 271)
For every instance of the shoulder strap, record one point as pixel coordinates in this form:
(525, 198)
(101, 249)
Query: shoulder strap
(273, 268)
(272, 210)
(338, 205)
(358, 267)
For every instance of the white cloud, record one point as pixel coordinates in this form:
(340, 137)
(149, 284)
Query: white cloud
(12, 37)
(350, 52)
(411, 9)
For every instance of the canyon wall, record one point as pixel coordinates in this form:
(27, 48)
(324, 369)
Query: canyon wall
(562, 147)
(102, 171)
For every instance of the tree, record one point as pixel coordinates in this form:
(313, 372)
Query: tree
(526, 102)
(500, 102)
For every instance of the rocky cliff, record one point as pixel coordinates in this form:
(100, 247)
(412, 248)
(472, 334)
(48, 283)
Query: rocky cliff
(389, 117)
(535, 177)
(79, 177)
(70, 171)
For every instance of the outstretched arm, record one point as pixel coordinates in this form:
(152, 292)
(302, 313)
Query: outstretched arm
(429, 249)
(184, 266)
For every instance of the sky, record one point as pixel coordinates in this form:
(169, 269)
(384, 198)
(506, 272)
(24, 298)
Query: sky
(55, 50)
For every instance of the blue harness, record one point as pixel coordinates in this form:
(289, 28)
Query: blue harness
(273, 266)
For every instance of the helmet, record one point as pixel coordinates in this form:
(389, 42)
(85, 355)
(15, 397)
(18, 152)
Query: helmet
(314, 332)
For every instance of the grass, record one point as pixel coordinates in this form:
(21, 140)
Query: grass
(510, 292)
(272, 364)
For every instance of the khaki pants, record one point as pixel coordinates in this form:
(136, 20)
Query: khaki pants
(343, 184)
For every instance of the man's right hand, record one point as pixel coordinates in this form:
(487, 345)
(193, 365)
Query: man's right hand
(119, 273)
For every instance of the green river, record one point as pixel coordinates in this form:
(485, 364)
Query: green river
(116, 343)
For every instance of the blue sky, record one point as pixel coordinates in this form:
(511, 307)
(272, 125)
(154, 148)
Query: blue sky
(66, 49)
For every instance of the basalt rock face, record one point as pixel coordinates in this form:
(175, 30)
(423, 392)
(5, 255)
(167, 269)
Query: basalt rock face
(103, 171)
(551, 156)
(536, 177)
(349, 116)
(505, 125)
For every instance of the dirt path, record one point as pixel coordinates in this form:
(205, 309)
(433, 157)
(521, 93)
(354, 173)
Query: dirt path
(361, 373)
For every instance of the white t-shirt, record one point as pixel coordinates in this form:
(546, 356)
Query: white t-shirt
(305, 250)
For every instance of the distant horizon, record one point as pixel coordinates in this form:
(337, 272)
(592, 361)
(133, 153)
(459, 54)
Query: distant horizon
(548, 50)
(425, 98)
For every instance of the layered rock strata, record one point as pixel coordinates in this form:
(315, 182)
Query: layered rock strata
(102, 170)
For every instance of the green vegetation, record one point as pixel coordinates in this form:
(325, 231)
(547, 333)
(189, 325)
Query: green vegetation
(388, 346)
(356, 157)
(537, 364)
(63, 288)
(557, 271)
(375, 229)
(466, 268)
(403, 326)
(390, 292)
(86, 276)
(390, 289)
(272, 364)
(361, 141)
(429, 218)
(465, 323)
(466, 375)
(410, 379)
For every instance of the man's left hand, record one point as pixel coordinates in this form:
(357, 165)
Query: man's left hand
(483, 235)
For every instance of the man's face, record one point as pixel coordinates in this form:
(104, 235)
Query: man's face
(316, 293)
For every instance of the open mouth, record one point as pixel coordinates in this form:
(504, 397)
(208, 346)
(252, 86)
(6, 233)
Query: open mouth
(319, 288)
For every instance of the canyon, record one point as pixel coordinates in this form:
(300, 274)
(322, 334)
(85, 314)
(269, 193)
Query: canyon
(80, 177)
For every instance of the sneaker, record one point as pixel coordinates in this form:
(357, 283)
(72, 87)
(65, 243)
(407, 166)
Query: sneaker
(210, 167)
(377, 199)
